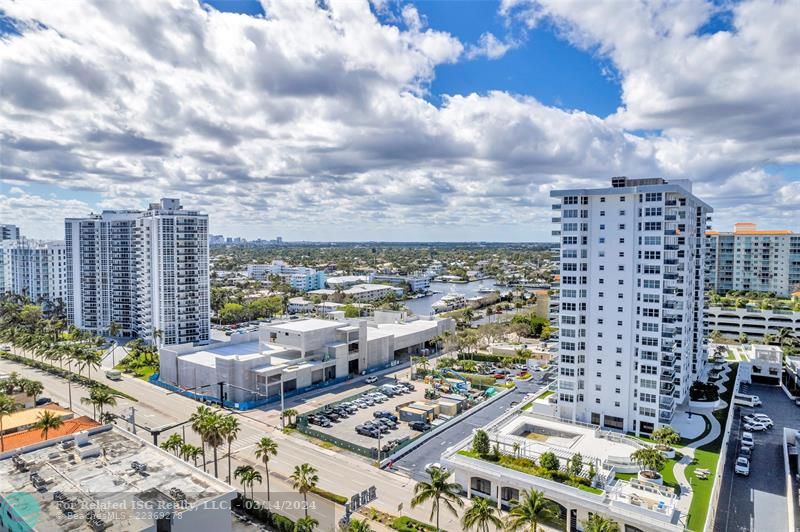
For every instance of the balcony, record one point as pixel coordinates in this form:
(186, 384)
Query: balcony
(667, 388)
(556, 219)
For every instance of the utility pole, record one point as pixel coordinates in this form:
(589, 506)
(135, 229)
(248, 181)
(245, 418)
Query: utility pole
(282, 405)
(133, 418)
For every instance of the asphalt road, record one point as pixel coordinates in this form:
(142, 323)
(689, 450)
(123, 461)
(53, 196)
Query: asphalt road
(413, 464)
(758, 502)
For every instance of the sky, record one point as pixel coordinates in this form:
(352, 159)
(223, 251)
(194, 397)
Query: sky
(353, 120)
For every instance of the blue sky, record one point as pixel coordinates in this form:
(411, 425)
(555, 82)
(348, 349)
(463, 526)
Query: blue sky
(393, 119)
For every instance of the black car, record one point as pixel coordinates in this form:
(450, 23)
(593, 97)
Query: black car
(407, 385)
(746, 452)
(322, 421)
(43, 401)
(384, 414)
(419, 425)
(386, 422)
(377, 426)
(330, 414)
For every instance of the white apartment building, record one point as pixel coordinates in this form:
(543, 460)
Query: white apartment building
(9, 232)
(363, 293)
(631, 301)
(753, 260)
(298, 277)
(34, 268)
(146, 271)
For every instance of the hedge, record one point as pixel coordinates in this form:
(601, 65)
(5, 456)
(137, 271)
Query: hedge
(409, 524)
(339, 499)
(64, 374)
(486, 357)
(255, 510)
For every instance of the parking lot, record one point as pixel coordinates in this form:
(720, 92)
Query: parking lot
(345, 428)
(757, 501)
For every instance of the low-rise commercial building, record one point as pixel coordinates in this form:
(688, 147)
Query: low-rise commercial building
(298, 277)
(766, 362)
(634, 504)
(297, 354)
(106, 477)
(752, 321)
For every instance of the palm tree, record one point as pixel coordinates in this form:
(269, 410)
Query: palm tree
(158, 334)
(191, 452)
(304, 479)
(198, 420)
(99, 398)
(265, 449)
(173, 444)
(480, 515)
(289, 413)
(305, 524)
(357, 525)
(48, 420)
(649, 458)
(230, 431)
(247, 475)
(439, 490)
(7, 407)
(114, 329)
(212, 430)
(600, 523)
(531, 508)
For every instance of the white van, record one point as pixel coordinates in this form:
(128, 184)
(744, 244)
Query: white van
(114, 374)
(746, 400)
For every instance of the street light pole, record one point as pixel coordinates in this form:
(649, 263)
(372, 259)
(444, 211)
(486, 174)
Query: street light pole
(282, 405)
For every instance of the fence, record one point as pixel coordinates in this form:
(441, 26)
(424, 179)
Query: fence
(243, 405)
(302, 426)
(723, 453)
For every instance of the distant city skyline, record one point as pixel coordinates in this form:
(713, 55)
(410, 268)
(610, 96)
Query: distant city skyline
(405, 121)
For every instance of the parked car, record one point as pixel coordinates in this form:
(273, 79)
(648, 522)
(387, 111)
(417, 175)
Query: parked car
(369, 400)
(367, 431)
(747, 452)
(755, 426)
(758, 418)
(378, 426)
(360, 403)
(407, 385)
(370, 380)
(747, 440)
(419, 425)
(742, 466)
(386, 422)
(322, 421)
(388, 391)
(435, 465)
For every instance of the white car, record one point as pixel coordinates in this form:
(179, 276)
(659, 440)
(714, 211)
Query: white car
(434, 465)
(742, 466)
(755, 426)
(370, 380)
(747, 440)
(759, 418)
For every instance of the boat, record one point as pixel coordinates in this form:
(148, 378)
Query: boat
(451, 301)
(486, 289)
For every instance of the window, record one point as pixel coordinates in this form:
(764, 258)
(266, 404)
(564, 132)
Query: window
(602, 213)
(652, 196)
(622, 198)
(652, 241)
(621, 268)
(651, 283)
(602, 267)
(602, 199)
(621, 253)
(622, 212)
(602, 240)
(619, 337)
(619, 350)
(652, 255)
(619, 323)
(616, 403)
(617, 390)
(652, 226)
(651, 269)
(602, 227)
(621, 227)
(621, 281)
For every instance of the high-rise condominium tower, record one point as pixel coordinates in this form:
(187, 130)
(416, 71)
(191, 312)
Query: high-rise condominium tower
(33, 268)
(754, 260)
(145, 271)
(631, 316)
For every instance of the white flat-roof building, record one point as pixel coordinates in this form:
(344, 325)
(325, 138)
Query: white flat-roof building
(88, 481)
(766, 361)
(346, 281)
(301, 353)
(634, 505)
(631, 296)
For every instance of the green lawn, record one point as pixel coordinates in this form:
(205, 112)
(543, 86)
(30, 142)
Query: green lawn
(667, 474)
(546, 394)
(701, 488)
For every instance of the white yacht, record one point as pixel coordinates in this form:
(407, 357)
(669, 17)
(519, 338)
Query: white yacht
(451, 301)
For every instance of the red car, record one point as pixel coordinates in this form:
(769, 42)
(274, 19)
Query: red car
(499, 376)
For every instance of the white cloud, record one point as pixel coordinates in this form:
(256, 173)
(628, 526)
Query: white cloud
(313, 122)
(491, 47)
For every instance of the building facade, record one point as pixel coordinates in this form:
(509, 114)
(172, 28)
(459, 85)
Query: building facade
(145, 271)
(752, 260)
(9, 232)
(751, 320)
(33, 268)
(631, 301)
